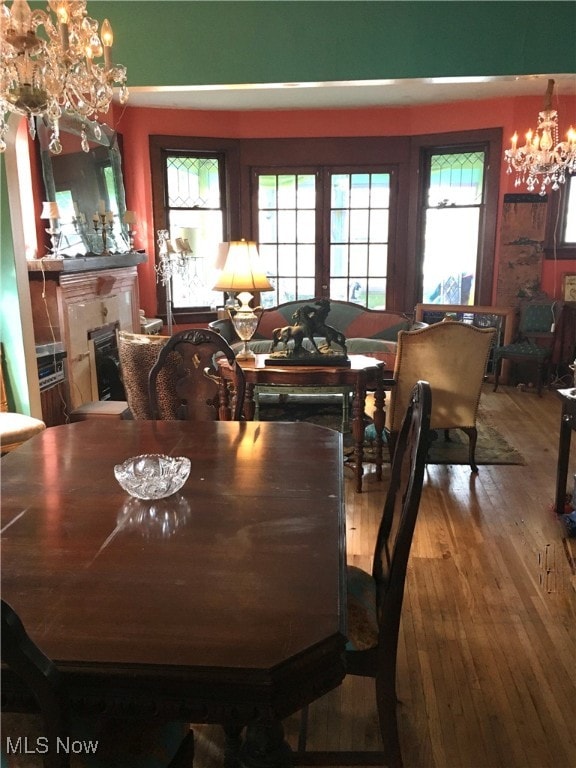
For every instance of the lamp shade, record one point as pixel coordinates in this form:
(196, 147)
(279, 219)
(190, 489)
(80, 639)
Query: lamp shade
(243, 270)
(50, 211)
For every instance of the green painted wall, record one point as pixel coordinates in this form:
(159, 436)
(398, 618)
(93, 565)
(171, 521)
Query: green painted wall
(10, 327)
(162, 42)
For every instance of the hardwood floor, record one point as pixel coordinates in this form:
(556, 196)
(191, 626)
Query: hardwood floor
(487, 656)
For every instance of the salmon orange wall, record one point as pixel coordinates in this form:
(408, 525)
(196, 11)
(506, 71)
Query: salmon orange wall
(137, 124)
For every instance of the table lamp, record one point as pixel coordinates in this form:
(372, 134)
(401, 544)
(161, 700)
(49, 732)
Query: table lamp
(50, 211)
(242, 275)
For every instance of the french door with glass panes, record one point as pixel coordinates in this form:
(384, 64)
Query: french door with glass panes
(325, 232)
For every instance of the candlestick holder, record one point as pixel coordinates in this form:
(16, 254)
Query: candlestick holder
(99, 220)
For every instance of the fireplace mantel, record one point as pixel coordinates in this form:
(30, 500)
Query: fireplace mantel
(87, 263)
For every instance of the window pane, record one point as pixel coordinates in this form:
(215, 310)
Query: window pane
(287, 260)
(306, 288)
(287, 226)
(307, 260)
(379, 227)
(339, 260)
(192, 182)
(286, 289)
(194, 271)
(339, 226)
(267, 227)
(306, 226)
(360, 190)
(339, 289)
(456, 179)
(306, 192)
(378, 260)
(450, 253)
(376, 294)
(380, 190)
(358, 260)
(340, 184)
(266, 192)
(286, 191)
(359, 226)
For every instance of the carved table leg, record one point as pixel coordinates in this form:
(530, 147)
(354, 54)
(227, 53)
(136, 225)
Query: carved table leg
(358, 405)
(264, 746)
(249, 406)
(378, 416)
(224, 411)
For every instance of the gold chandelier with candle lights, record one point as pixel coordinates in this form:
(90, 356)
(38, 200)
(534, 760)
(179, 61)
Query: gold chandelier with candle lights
(49, 66)
(543, 159)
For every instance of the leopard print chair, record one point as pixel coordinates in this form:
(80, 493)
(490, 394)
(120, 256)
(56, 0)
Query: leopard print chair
(137, 354)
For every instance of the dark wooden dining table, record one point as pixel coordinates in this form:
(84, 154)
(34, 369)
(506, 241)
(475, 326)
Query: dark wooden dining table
(224, 603)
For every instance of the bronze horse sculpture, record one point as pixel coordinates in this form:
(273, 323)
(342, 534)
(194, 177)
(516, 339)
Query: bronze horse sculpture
(301, 329)
(309, 321)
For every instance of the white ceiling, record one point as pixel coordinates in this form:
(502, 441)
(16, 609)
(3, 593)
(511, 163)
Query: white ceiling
(349, 94)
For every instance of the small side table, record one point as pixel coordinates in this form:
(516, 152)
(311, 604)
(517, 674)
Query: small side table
(567, 425)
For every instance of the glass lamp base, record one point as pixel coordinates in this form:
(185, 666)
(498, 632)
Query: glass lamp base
(245, 353)
(245, 322)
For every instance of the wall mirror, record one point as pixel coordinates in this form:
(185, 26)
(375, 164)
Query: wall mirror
(85, 184)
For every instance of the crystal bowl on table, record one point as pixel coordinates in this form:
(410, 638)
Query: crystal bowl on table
(152, 475)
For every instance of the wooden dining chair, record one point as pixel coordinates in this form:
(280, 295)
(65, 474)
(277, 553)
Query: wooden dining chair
(186, 373)
(534, 341)
(375, 599)
(44, 692)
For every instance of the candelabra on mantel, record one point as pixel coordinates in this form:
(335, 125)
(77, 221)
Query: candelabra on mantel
(103, 220)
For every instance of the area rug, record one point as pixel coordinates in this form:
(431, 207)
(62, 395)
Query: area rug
(491, 447)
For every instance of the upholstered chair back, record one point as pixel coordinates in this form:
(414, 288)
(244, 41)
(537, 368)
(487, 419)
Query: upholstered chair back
(137, 354)
(452, 357)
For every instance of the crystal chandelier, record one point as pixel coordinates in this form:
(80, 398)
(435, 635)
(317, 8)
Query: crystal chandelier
(56, 72)
(543, 159)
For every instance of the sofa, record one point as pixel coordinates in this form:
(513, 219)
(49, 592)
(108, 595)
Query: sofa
(368, 332)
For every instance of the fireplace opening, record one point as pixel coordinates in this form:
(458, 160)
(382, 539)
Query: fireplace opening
(107, 362)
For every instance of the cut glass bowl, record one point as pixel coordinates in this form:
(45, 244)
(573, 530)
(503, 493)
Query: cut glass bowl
(153, 475)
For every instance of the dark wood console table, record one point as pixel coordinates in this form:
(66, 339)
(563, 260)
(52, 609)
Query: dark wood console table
(567, 424)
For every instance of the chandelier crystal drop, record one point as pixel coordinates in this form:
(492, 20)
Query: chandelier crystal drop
(48, 66)
(543, 160)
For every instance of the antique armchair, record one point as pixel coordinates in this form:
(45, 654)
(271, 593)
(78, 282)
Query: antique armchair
(534, 342)
(45, 711)
(452, 357)
(184, 382)
(375, 599)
